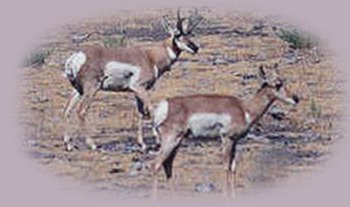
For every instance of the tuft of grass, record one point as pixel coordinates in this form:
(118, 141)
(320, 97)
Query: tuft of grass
(110, 42)
(297, 39)
(36, 58)
(315, 108)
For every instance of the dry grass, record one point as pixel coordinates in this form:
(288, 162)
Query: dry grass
(304, 138)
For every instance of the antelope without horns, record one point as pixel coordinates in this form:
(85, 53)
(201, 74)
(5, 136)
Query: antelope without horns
(221, 116)
(126, 69)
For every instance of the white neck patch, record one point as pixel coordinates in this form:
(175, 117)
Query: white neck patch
(156, 71)
(247, 118)
(171, 53)
(160, 113)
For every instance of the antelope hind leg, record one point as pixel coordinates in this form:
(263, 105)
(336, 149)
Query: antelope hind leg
(82, 110)
(75, 97)
(67, 137)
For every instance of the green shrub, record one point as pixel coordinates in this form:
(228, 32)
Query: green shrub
(36, 58)
(315, 108)
(297, 39)
(109, 42)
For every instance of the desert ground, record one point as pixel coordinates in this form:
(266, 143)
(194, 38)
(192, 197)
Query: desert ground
(287, 144)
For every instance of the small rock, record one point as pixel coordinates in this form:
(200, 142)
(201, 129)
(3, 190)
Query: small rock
(79, 38)
(203, 82)
(40, 99)
(290, 57)
(223, 61)
(219, 61)
(116, 170)
(277, 113)
(198, 144)
(136, 168)
(131, 148)
(154, 148)
(133, 173)
(109, 146)
(31, 143)
(204, 187)
(41, 155)
(104, 114)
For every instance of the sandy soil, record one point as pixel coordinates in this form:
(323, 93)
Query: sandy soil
(233, 45)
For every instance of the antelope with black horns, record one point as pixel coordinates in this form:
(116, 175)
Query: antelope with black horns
(126, 69)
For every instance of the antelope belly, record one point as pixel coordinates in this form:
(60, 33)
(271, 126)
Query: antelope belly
(208, 124)
(120, 76)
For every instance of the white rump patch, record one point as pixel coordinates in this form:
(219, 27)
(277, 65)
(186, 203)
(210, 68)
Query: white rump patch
(120, 75)
(209, 124)
(74, 63)
(160, 113)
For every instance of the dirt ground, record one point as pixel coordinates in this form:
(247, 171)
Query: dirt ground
(233, 45)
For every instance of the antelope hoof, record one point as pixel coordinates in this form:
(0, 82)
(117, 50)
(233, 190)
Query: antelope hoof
(69, 147)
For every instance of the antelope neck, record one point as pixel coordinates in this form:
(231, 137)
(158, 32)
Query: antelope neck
(258, 105)
(172, 49)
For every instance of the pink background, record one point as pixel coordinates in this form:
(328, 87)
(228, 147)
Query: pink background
(25, 183)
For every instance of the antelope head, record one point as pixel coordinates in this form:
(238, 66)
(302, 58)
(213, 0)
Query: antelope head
(277, 88)
(182, 33)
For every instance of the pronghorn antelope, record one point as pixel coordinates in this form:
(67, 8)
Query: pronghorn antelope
(211, 115)
(131, 69)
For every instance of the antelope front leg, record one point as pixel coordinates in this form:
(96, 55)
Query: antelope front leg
(154, 194)
(144, 107)
(140, 110)
(229, 152)
(140, 132)
(83, 108)
(85, 105)
(143, 101)
(165, 158)
(157, 137)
